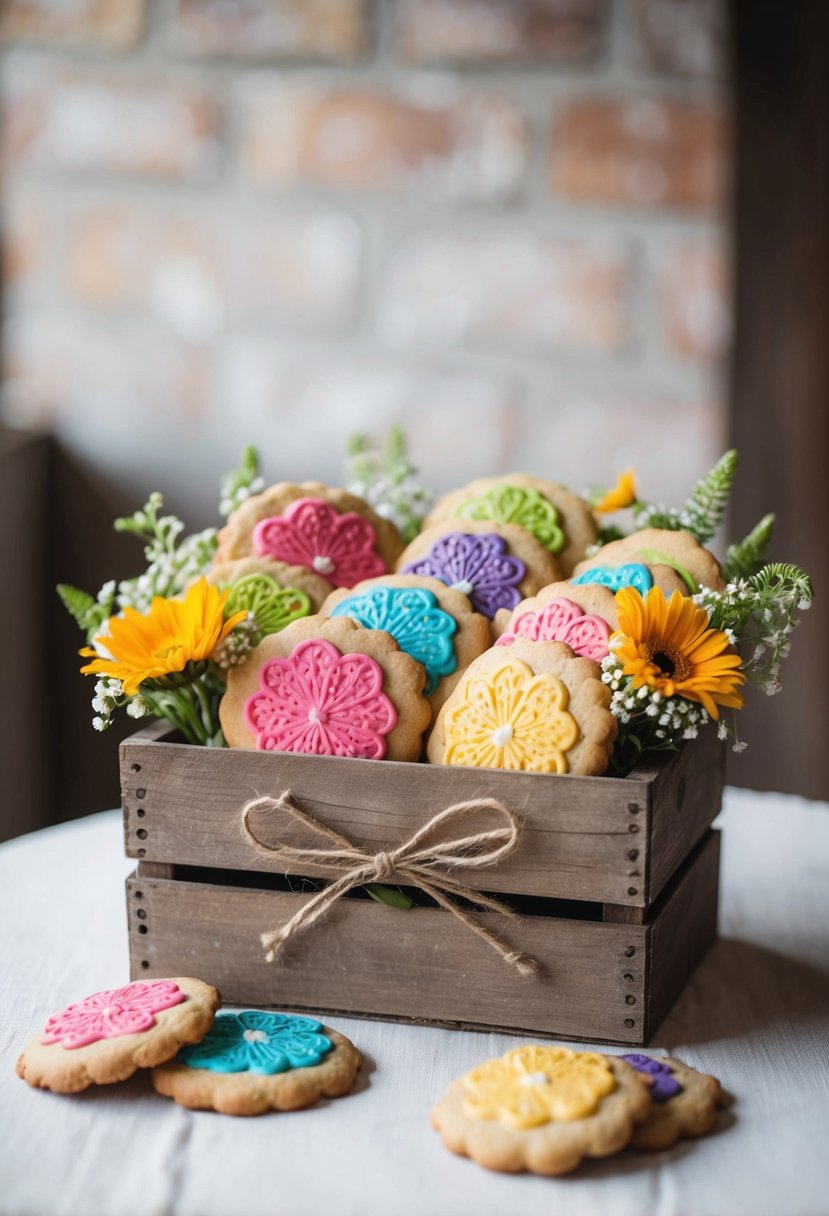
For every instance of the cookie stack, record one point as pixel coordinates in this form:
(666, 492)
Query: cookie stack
(238, 1063)
(478, 644)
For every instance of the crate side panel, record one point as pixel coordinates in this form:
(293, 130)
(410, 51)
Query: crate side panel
(682, 931)
(686, 798)
(582, 838)
(373, 960)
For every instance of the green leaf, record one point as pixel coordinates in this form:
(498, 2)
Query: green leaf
(747, 556)
(783, 580)
(393, 896)
(709, 498)
(77, 603)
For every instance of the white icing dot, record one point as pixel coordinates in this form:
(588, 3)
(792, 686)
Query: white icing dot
(534, 1078)
(463, 585)
(255, 1036)
(317, 716)
(323, 565)
(502, 736)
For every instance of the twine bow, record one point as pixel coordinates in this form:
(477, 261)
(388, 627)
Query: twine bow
(422, 861)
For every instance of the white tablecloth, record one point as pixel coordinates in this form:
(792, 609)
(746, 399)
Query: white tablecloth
(756, 1014)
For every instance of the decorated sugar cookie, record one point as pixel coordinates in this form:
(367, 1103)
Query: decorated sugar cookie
(530, 706)
(685, 1102)
(596, 572)
(690, 565)
(330, 532)
(287, 578)
(252, 1062)
(429, 621)
(542, 1109)
(554, 515)
(327, 687)
(108, 1036)
(495, 565)
(581, 617)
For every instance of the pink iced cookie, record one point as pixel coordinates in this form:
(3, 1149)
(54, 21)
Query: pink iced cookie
(560, 620)
(108, 1035)
(311, 533)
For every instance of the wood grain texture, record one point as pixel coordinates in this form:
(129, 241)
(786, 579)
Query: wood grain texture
(371, 960)
(682, 930)
(585, 838)
(598, 980)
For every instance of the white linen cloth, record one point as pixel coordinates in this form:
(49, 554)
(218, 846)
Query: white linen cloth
(755, 1014)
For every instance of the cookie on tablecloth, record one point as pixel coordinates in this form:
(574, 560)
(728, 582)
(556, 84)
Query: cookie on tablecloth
(496, 565)
(556, 517)
(429, 621)
(326, 686)
(252, 1062)
(542, 1109)
(311, 586)
(685, 1102)
(583, 617)
(329, 531)
(108, 1036)
(531, 706)
(694, 565)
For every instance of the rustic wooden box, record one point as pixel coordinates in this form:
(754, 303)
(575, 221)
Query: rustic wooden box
(616, 881)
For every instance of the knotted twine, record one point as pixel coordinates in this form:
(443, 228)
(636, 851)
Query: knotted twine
(421, 861)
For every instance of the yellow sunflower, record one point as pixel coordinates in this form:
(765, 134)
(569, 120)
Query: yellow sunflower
(164, 640)
(667, 645)
(622, 495)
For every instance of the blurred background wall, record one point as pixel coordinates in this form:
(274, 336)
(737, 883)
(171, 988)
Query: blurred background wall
(505, 224)
(500, 222)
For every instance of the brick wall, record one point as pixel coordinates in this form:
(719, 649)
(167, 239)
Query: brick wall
(498, 221)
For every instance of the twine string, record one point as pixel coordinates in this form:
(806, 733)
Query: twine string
(424, 861)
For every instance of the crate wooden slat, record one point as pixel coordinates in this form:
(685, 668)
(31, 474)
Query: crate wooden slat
(613, 841)
(366, 959)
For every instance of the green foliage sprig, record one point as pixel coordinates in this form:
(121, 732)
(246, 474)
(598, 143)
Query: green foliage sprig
(385, 477)
(705, 508)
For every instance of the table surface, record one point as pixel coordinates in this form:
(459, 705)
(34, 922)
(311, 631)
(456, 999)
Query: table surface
(755, 1014)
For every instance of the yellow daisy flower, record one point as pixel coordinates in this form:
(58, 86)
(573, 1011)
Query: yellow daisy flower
(667, 645)
(163, 641)
(622, 495)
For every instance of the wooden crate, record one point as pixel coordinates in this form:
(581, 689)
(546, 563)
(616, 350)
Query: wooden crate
(615, 880)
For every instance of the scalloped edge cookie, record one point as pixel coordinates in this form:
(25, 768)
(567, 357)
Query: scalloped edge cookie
(682, 547)
(590, 597)
(576, 517)
(688, 1115)
(236, 537)
(588, 704)
(664, 577)
(298, 577)
(541, 566)
(473, 633)
(248, 1093)
(70, 1070)
(552, 1148)
(403, 679)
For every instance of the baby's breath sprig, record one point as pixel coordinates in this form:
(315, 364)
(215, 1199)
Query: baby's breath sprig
(173, 563)
(759, 614)
(648, 721)
(237, 486)
(386, 478)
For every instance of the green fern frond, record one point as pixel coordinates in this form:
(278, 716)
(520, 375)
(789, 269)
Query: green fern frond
(79, 604)
(709, 498)
(783, 580)
(746, 557)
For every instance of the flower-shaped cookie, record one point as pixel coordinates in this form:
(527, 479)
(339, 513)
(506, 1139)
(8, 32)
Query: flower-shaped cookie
(561, 620)
(414, 619)
(531, 705)
(327, 686)
(479, 566)
(311, 532)
(685, 1102)
(543, 1109)
(254, 1062)
(321, 702)
(254, 1041)
(533, 1085)
(676, 560)
(554, 515)
(664, 1084)
(272, 607)
(632, 574)
(116, 1011)
(511, 718)
(110, 1034)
